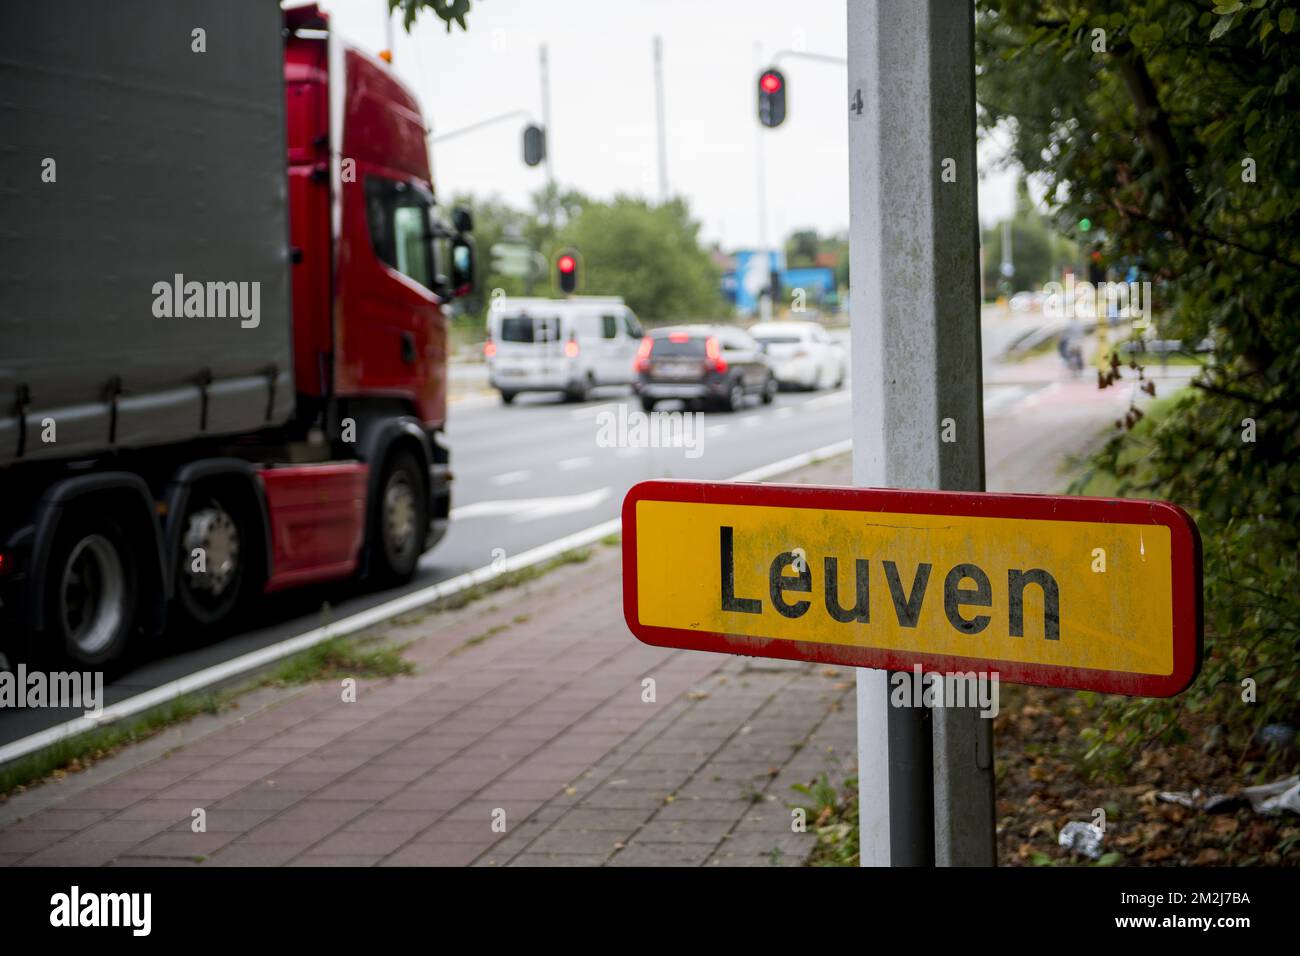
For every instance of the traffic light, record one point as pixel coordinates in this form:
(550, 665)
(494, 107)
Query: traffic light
(534, 144)
(566, 271)
(771, 97)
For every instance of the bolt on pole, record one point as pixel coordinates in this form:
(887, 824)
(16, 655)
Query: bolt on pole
(925, 777)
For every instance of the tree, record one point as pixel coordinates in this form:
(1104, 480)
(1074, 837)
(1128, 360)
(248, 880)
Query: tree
(650, 255)
(804, 246)
(1175, 128)
(449, 11)
(1033, 254)
(494, 222)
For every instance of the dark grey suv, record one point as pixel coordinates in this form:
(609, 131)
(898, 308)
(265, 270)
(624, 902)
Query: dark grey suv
(717, 364)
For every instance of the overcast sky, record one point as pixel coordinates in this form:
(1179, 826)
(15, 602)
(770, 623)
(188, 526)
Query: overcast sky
(602, 137)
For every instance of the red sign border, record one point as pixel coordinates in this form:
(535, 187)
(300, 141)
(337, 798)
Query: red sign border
(1185, 560)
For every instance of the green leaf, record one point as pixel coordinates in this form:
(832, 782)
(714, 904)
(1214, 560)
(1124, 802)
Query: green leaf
(1286, 20)
(1222, 27)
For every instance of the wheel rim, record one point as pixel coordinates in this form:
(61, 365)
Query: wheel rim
(212, 531)
(93, 596)
(399, 514)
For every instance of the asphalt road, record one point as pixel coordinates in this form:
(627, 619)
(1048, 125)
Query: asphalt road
(529, 474)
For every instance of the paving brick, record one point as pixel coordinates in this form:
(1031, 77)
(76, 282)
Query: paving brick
(406, 822)
(183, 844)
(255, 854)
(580, 841)
(430, 854)
(74, 853)
(663, 854)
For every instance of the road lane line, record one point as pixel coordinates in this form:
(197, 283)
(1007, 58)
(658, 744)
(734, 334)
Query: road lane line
(510, 478)
(571, 464)
(528, 509)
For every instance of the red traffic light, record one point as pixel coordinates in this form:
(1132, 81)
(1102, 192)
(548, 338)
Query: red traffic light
(566, 270)
(771, 97)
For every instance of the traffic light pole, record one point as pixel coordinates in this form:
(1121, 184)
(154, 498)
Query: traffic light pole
(544, 64)
(925, 776)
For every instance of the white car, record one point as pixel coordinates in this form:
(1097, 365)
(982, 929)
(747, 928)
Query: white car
(802, 354)
(560, 345)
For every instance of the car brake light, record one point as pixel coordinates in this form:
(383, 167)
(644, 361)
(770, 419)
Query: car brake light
(643, 351)
(489, 349)
(571, 348)
(679, 337)
(714, 354)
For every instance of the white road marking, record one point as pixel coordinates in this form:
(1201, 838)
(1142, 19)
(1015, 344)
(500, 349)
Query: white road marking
(785, 411)
(630, 451)
(840, 397)
(591, 411)
(570, 464)
(531, 509)
(716, 430)
(509, 478)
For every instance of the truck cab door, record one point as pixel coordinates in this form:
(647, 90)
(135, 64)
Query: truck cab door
(390, 329)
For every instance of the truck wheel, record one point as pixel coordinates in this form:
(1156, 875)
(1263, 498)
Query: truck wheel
(648, 404)
(91, 590)
(769, 390)
(401, 517)
(507, 397)
(213, 574)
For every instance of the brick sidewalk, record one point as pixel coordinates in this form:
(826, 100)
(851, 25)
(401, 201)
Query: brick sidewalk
(528, 702)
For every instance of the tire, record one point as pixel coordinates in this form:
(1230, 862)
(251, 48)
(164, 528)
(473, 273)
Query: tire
(92, 591)
(769, 389)
(399, 520)
(507, 397)
(648, 405)
(214, 588)
(581, 390)
(735, 400)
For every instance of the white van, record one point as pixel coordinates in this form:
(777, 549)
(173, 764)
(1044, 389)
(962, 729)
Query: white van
(560, 345)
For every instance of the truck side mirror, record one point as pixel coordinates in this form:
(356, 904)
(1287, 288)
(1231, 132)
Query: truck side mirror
(462, 266)
(462, 219)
